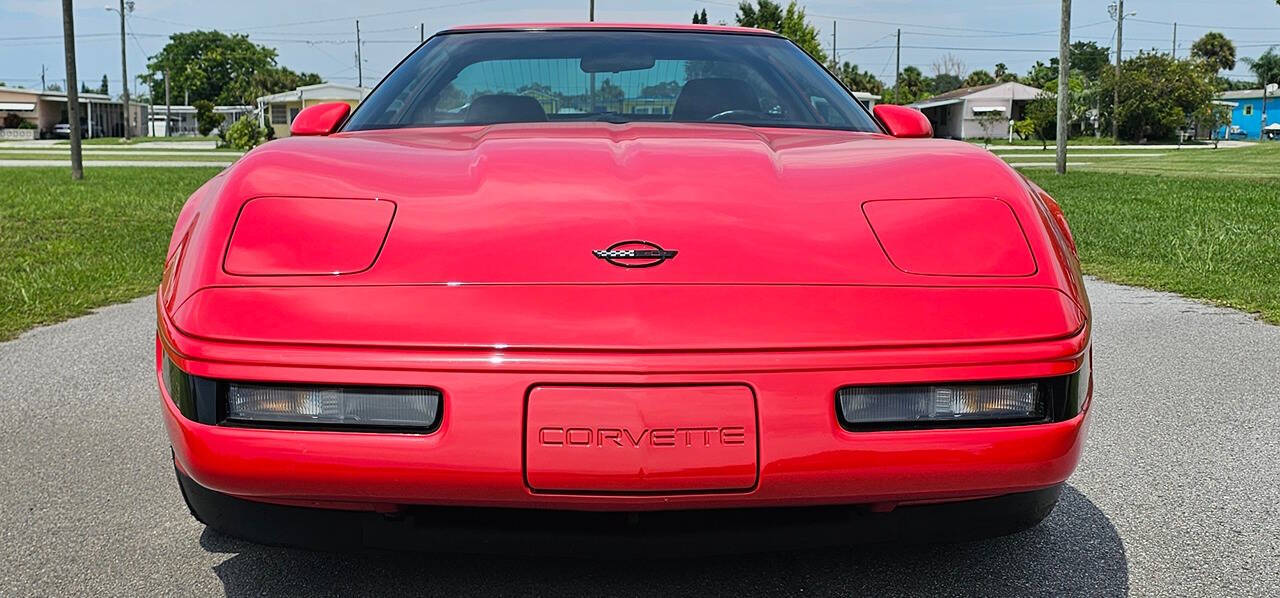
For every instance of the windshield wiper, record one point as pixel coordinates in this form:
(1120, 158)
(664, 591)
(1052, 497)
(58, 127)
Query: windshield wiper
(613, 118)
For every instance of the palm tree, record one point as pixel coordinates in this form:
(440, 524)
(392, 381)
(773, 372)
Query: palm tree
(1266, 66)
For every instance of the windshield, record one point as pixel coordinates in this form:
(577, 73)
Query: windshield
(482, 78)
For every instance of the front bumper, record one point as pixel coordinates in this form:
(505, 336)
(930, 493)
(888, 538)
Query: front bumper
(476, 459)
(612, 535)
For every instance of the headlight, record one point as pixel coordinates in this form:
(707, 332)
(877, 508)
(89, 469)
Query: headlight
(355, 408)
(333, 407)
(941, 403)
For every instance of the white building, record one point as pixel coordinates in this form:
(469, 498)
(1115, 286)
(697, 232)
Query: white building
(279, 109)
(178, 121)
(960, 114)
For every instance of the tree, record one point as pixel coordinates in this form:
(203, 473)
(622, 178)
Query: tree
(1266, 67)
(1087, 58)
(206, 119)
(1041, 75)
(610, 92)
(54, 87)
(943, 82)
(666, 89)
(988, 121)
(1215, 50)
(1040, 119)
(859, 80)
(791, 23)
(221, 68)
(1212, 118)
(700, 19)
(949, 64)
(979, 77)
(1002, 73)
(912, 86)
(102, 88)
(1158, 95)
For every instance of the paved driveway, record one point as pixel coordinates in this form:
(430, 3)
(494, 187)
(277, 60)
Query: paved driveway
(1177, 495)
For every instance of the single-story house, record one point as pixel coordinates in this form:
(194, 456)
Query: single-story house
(962, 113)
(41, 110)
(176, 121)
(1247, 114)
(278, 110)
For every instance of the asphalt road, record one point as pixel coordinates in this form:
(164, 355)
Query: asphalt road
(1177, 494)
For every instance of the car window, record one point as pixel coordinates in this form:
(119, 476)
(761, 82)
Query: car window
(483, 78)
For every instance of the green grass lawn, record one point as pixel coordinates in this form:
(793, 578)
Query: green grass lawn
(1260, 161)
(67, 247)
(1212, 236)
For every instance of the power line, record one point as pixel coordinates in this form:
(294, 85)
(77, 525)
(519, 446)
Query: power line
(363, 16)
(1181, 24)
(881, 22)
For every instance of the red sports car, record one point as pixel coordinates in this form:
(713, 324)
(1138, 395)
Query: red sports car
(579, 283)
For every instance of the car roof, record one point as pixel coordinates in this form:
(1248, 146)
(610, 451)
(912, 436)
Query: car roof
(674, 27)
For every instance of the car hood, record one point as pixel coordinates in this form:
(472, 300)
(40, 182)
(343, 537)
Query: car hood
(530, 203)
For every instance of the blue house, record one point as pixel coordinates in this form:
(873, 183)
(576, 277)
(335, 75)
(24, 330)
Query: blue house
(1246, 116)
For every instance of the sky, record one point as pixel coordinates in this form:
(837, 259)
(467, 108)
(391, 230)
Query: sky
(319, 35)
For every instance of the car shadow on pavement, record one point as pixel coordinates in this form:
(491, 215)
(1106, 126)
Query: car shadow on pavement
(1075, 551)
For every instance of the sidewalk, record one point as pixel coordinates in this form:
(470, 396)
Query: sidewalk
(1076, 148)
(63, 143)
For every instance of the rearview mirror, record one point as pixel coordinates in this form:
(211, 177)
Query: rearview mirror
(615, 63)
(902, 121)
(320, 119)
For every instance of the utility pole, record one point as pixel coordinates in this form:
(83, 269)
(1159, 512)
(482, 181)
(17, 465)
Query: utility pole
(835, 62)
(73, 92)
(168, 123)
(1115, 100)
(125, 8)
(1175, 41)
(422, 32)
(1064, 90)
(359, 61)
(897, 68)
(591, 16)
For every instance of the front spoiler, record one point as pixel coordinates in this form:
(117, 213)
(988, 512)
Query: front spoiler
(663, 534)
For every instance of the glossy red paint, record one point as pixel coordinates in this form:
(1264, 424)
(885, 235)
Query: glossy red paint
(796, 274)
(957, 237)
(320, 119)
(903, 122)
(277, 236)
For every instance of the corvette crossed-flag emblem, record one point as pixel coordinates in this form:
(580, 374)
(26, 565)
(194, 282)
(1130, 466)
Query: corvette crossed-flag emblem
(635, 254)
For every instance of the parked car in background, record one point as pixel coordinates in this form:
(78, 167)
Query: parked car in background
(63, 130)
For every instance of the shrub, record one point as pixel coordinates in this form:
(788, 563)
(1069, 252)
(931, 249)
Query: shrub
(206, 119)
(12, 121)
(244, 134)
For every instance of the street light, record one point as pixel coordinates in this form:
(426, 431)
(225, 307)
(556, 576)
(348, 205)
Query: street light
(126, 7)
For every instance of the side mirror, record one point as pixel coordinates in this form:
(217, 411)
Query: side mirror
(902, 121)
(321, 119)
